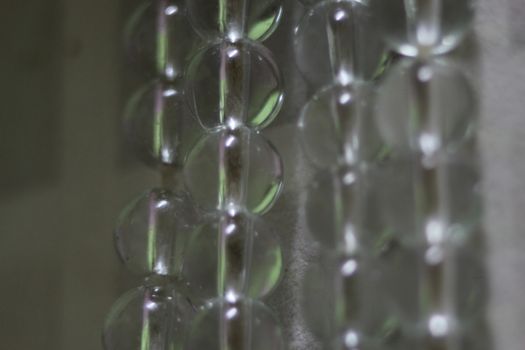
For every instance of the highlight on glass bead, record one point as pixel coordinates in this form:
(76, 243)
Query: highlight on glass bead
(234, 167)
(337, 126)
(243, 325)
(252, 263)
(152, 232)
(425, 107)
(149, 317)
(158, 124)
(456, 192)
(338, 40)
(339, 294)
(159, 38)
(415, 27)
(252, 19)
(238, 82)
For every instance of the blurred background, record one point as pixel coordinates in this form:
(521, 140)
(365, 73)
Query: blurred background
(66, 173)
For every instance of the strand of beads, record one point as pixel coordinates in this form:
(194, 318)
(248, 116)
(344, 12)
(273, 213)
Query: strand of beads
(339, 138)
(425, 110)
(234, 259)
(153, 230)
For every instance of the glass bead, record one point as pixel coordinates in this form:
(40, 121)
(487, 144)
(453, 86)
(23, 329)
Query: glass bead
(234, 164)
(457, 193)
(160, 39)
(251, 265)
(244, 325)
(338, 40)
(252, 19)
(149, 317)
(159, 125)
(425, 106)
(464, 287)
(152, 232)
(339, 294)
(337, 126)
(237, 82)
(420, 27)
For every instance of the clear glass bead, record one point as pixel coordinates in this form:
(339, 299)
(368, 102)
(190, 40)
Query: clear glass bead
(338, 40)
(235, 19)
(160, 39)
(425, 106)
(415, 27)
(159, 125)
(232, 254)
(339, 295)
(337, 126)
(152, 232)
(151, 317)
(238, 165)
(234, 82)
(244, 325)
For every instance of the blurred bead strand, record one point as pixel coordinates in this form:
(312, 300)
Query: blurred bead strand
(234, 89)
(152, 232)
(339, 139)
(432, 103)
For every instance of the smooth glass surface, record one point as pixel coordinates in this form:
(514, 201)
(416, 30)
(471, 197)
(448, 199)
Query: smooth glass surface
(233, 254)
(415, 27)
(244, 325)
(152, 317)
(338, 40)
(160, 39)
(239, 165)
(238, 82)
(159, 125)
(337, 126)
(425, 107)
(152, 232)
(234, 19)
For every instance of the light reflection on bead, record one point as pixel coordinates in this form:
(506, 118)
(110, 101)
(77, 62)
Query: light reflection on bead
(244, 325)
(152, 232)
(262, 175)
(234, 81)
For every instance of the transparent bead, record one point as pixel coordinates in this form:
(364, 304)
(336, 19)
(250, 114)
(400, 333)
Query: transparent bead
(244, 325)
(456, 193)
(159, 125)
(232, 254)
(237, 165)
(463, 287)
(338, 40)
(237, 82)
(339, 295)
(151, 317)
(337, 126)
(426, 107)
(235, 19)
(160, 39)
(420, 27)
(152, 232)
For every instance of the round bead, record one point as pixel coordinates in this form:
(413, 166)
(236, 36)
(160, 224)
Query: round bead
(255, 166)
(158, 124)
(337, 126)
(153, 230)
(235, 81)
(432, 93)
(160, 39)
(252, 19)
(149, 317)
(410, 28)
(328, 25)
(252, 264)
(244, 325)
